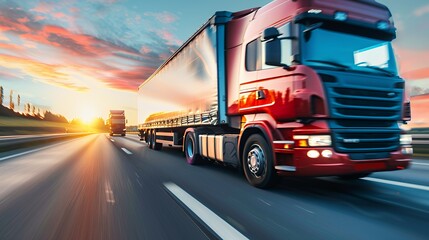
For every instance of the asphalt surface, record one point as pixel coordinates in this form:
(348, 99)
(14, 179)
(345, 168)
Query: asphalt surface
(101, 187)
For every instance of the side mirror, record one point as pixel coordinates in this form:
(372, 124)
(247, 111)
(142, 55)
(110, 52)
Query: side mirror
(273, 47)
(270, 33)
(273, 52)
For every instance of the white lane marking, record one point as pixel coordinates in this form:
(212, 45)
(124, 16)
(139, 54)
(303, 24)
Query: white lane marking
(264, 202)
(401, 184)
(112, 140)
(31, 151)
(417, 163)
(213, 221)
(139, 182)
(126, 151)
(304, 209)
(110, 198)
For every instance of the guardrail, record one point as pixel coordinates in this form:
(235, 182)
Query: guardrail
(8, 143)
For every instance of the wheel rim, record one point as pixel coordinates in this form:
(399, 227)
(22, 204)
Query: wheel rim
(256, 160)
(190, 147)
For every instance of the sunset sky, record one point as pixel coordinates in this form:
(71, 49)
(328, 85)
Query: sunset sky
(82, 58)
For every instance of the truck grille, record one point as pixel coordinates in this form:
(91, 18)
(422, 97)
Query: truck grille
(355, 141)
(361, 103)
(364, 114)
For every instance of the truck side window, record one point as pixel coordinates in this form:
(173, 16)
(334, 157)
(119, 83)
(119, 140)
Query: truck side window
(253, 55)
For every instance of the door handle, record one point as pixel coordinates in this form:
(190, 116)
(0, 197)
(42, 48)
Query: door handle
(260, 94)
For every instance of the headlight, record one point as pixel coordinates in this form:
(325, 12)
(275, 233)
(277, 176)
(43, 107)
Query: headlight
(406, 139)
(313, 140)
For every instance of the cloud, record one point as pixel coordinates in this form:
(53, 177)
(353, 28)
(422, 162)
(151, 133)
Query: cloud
(421, 11)
(418, 74)
(47, 73)
(58, 56)
(168, 37)
(410, 60)
(419, 106)
(163, 17)
(43, 7)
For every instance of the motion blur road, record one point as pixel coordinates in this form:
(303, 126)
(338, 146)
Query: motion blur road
(101, 187)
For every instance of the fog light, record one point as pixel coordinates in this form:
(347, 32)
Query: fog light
(406, 150)
(313, 154)
(327, 153)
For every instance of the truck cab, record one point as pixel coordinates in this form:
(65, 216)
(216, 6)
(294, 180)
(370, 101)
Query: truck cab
(320, 81)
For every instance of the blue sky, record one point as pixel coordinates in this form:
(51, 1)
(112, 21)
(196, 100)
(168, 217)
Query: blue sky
(82, 58)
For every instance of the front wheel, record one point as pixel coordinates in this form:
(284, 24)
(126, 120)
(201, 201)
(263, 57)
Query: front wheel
(258, 163)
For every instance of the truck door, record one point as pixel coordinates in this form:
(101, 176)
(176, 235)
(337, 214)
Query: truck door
(270, 88)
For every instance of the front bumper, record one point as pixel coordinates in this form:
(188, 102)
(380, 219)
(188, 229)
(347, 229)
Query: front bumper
(296, 162)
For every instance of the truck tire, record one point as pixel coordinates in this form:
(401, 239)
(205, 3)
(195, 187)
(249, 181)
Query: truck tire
(151, 139)
(153, 144)
(190, 149)
(258, 163)
(354, 176)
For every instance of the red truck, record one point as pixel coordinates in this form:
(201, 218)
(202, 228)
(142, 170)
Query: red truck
(295, 88)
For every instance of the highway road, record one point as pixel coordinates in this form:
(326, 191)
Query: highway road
(101, 187)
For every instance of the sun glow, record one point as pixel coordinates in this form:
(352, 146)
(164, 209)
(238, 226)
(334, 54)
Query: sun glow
(87, 115)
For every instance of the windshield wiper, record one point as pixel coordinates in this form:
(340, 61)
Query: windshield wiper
(391, 74)
(344, 67)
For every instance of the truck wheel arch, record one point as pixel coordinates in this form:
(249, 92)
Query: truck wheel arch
(254, 129)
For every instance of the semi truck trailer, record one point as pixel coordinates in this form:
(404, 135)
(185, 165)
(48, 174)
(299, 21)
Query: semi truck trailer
(117, 122)
(294, 88)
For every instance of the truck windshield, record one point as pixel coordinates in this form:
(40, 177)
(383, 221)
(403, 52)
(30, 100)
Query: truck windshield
(325, 48)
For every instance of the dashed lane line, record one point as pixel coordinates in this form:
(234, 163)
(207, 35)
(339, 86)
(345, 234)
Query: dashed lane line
(223, 229)
(126, 151)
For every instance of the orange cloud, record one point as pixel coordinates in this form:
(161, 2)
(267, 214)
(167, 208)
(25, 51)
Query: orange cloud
(417, 74)
(412, 60)
(50, 74)
(419, 108)
(55, 55)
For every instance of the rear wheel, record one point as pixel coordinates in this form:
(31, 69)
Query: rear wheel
(190, 147)
(151, 139)
(153, 144)
(258, 162)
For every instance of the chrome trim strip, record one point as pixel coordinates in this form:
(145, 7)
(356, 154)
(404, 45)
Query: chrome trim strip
(286, 168)
(283, 142)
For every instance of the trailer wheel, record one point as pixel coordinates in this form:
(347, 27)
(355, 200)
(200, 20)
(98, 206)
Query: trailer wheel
(192, 157)
(153, 144)
(258, 162)
(151, 139)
